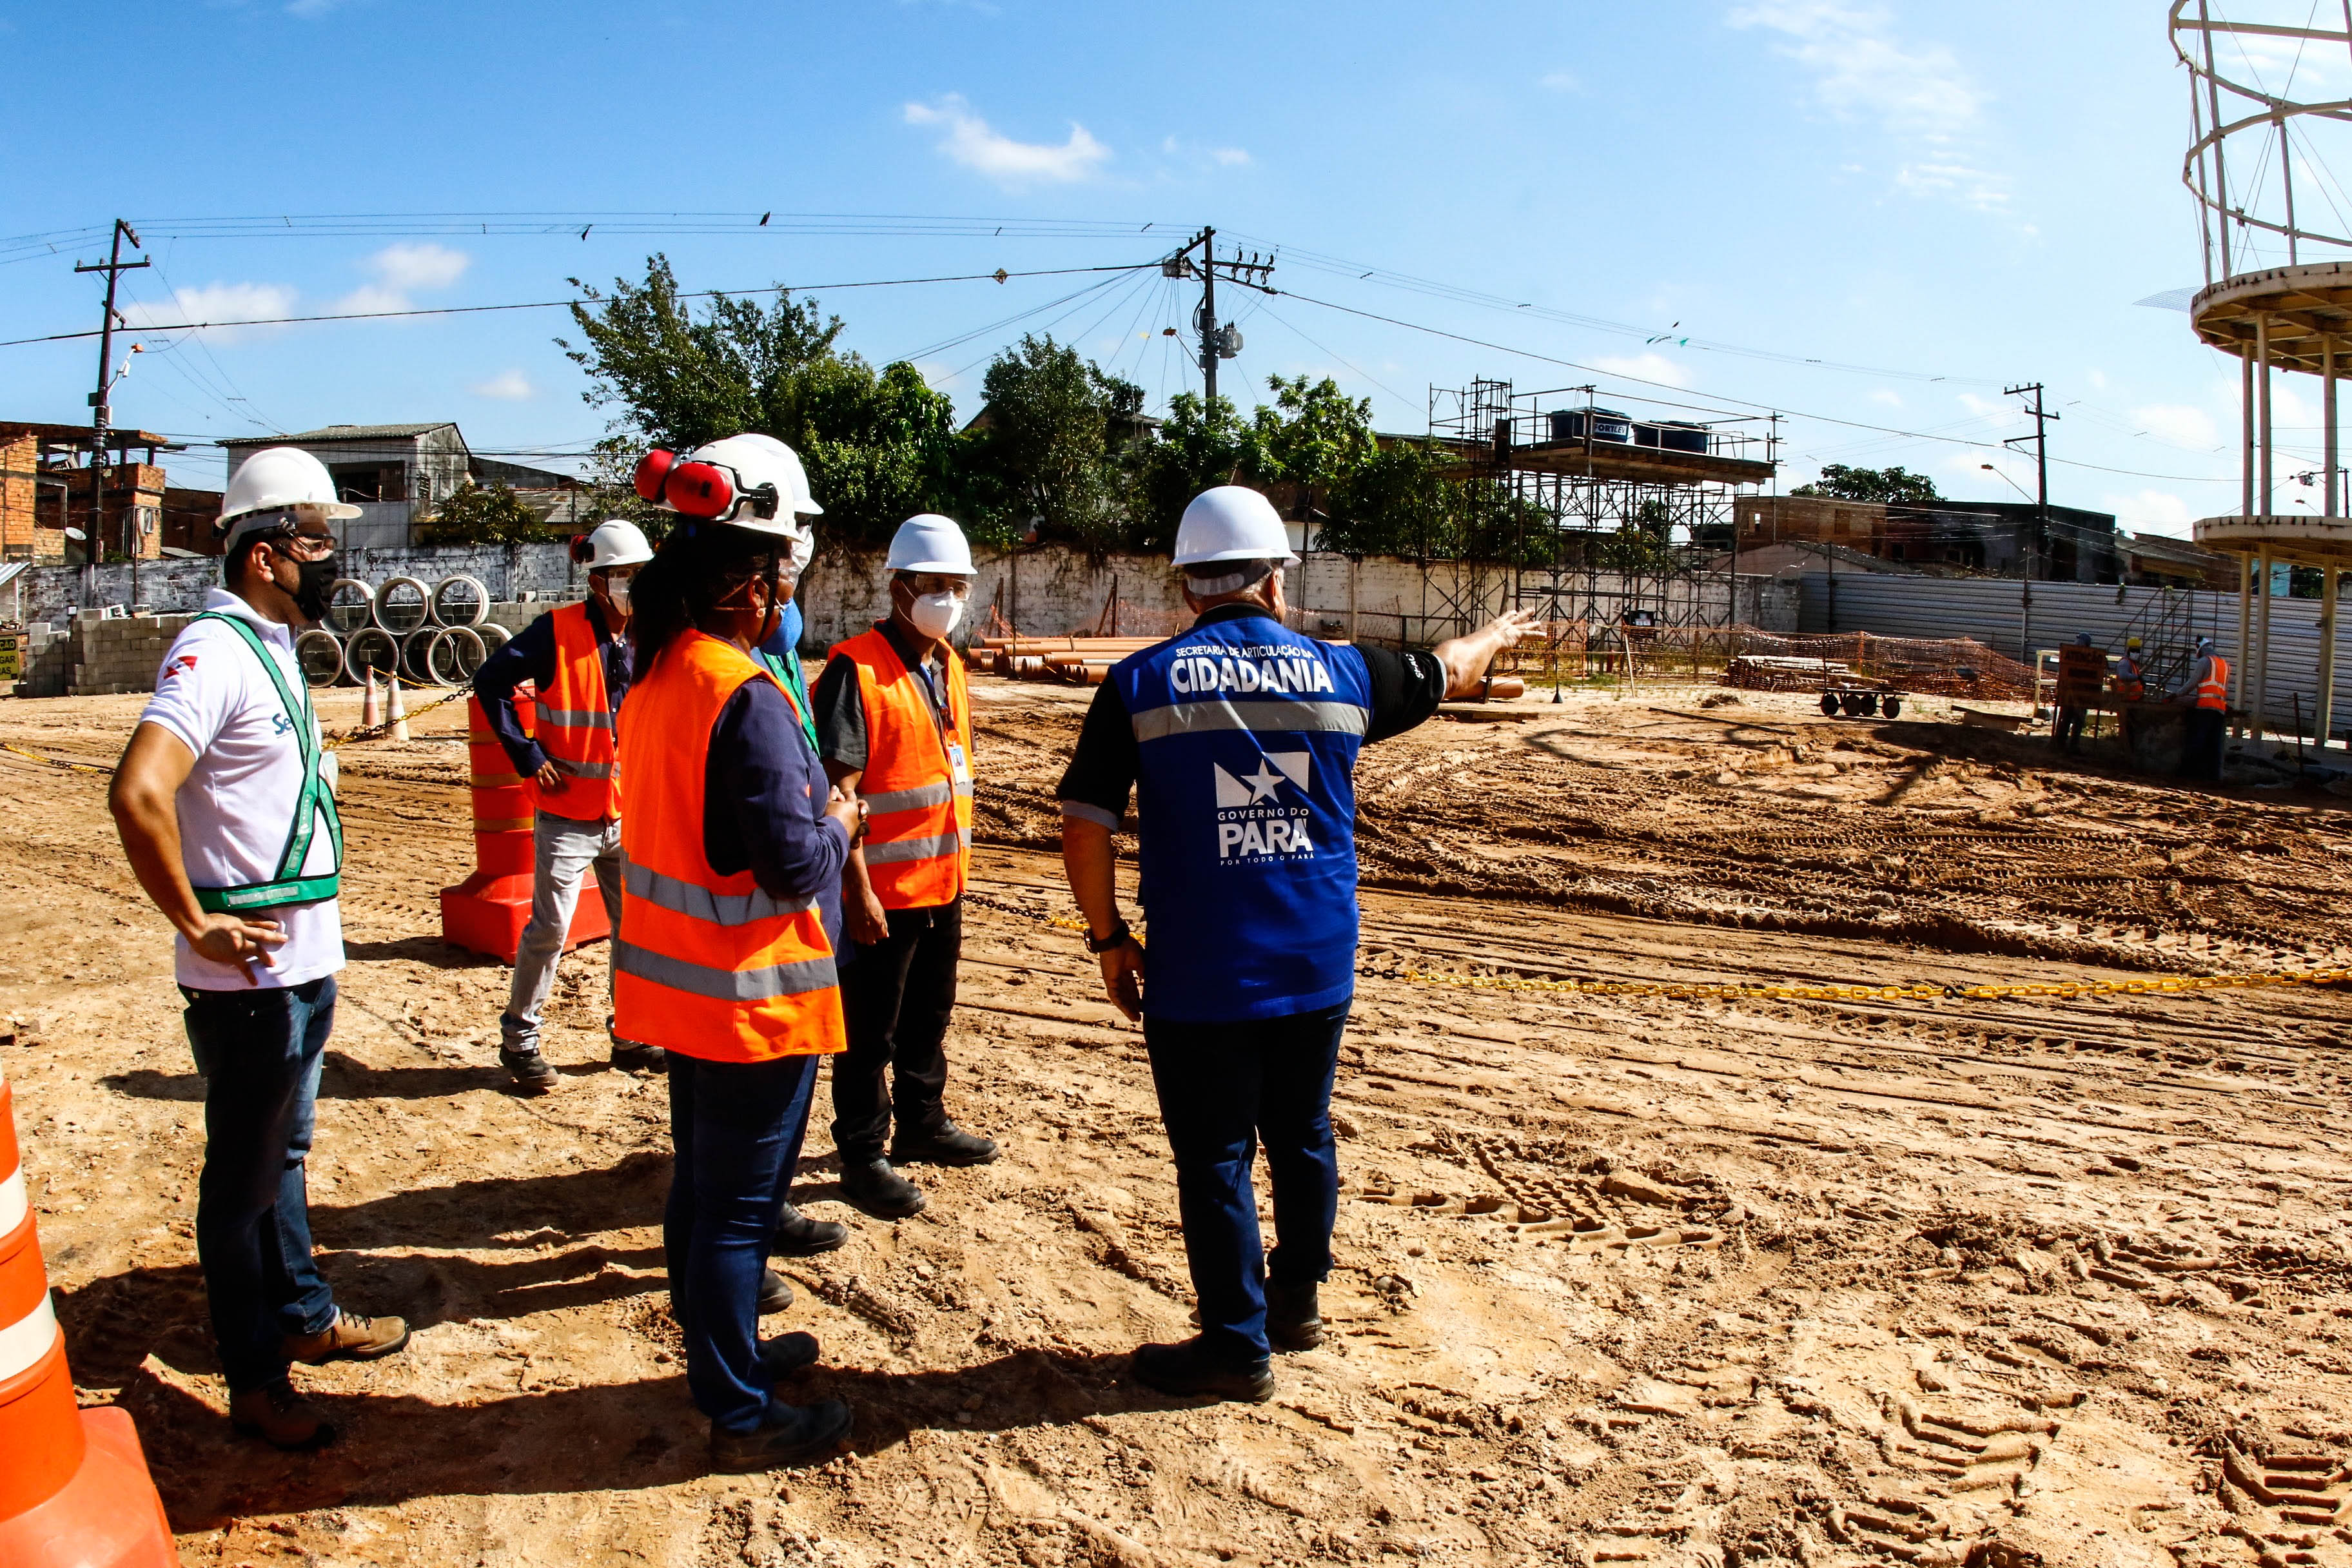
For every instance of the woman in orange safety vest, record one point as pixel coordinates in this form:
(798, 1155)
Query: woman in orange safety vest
(734, 844)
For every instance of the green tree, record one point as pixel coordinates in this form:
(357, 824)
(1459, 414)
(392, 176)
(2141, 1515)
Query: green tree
(880, 446)
(1314, 435)
(475, 515)
(1396, 502)
(1051, 445)
(1200, 445)
(1842, 483)
(1644, 542)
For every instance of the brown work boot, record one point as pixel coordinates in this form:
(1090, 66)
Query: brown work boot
(348, 1338)
(281, 1417)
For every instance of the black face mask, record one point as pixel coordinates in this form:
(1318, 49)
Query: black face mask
(318, 579)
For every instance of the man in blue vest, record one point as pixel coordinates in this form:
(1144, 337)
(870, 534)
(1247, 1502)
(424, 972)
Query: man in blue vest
(1239, 740)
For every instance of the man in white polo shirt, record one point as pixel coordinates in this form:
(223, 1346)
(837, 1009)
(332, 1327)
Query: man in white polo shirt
(224, 800)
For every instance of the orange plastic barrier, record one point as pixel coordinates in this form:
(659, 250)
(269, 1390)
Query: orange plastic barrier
(74, 1488)
(487, 911)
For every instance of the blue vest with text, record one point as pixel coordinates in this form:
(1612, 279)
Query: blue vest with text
(1246, 734)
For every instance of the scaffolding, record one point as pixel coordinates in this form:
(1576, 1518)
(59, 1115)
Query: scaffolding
(1608, 525)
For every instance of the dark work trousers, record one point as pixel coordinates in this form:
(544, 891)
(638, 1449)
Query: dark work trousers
(259, 1051)
(895, 999)
(2200, 748)
(1222, 1089)
(737, 1129)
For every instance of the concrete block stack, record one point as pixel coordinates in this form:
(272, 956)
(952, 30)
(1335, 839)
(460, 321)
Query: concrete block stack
(46, 667)
(120, 654)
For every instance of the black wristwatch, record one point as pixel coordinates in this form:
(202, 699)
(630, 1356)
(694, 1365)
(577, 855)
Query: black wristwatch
(1118, 937)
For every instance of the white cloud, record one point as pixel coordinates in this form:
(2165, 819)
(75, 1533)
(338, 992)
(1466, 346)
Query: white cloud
(1986, 407)
(507, 385)
(2179, 423)
(1918, 93)
(1886, 396)
(1560, 82)
(217, 303)
(1232, 157)
(2152, 512)
(400, 269)
(2098, 378)
(1646, 366)
(969, 141)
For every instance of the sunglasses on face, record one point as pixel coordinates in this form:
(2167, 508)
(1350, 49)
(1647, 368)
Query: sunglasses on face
(926, 582)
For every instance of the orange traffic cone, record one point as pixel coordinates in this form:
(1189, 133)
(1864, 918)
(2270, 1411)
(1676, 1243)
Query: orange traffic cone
(487, 911)
(399, 715)
(74, 1488)
(371, 710)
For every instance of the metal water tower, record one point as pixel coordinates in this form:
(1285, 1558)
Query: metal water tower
(2278, 289)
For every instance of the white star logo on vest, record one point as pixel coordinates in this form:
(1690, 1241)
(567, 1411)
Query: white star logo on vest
(1252, 821)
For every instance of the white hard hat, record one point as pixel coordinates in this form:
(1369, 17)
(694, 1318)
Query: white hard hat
(276, 479)
(616, 542)
(929, 543)
(749, 482)
(1232, 522)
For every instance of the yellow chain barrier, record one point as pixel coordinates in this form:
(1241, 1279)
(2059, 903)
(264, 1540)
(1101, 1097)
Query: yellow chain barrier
(57, 761)
(1693, 992)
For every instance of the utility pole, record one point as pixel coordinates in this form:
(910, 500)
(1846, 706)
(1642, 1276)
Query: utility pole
(101, 414)
(2041, 439)
(1216, 342)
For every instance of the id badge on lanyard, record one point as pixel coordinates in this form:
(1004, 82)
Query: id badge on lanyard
(956, 765)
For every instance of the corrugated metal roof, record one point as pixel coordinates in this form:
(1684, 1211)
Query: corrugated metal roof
(345, 433)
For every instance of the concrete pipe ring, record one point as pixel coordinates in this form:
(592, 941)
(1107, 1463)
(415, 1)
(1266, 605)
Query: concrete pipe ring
(402, 605)
(452, 656)
(461, 602)
(413, 650)
(350, 605)
(494, 637)
(321, 654)
(371, 648)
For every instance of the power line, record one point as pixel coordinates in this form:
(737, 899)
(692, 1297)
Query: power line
(1745, 402)
(999, 276)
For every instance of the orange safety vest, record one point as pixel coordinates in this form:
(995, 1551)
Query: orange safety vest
(2130, 684)
(2213, 691)
(707, 966)
(918, 801)
(575, 722)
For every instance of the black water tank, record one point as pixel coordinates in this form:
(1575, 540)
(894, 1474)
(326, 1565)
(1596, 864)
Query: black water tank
(1682, 436)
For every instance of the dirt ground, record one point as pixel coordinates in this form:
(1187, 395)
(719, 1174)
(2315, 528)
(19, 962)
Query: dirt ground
(1622, 1277)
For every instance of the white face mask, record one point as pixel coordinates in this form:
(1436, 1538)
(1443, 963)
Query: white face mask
(935, 615)
(617, 590)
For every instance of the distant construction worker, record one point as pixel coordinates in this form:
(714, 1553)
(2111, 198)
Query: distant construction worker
(1239, 740)
(2131, 678)
(724, 957)
(894, 720)
(2207, 690)
(224, 800)
(577, 657)
(2081, 679)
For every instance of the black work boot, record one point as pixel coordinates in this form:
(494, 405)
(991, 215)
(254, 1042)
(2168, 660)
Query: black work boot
(1192, 1371)
(1294, 1321)
(635, 1056)
(786, 1354)
(533, 1073)
(797, 1235)
(800, 1435)
(775, 1293)
(943, 1144)
(880, 1191)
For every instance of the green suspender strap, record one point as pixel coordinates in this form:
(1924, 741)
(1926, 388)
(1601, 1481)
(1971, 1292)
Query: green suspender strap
(288, 886)
(787, 671)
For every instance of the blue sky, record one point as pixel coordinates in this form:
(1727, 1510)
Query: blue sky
(1931, 201)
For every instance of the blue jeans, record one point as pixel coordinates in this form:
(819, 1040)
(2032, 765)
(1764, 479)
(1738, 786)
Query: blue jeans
(1222, 1089)
(259, 1052)
(737, 1129)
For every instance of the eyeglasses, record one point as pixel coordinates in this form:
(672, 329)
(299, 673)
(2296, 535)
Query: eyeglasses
(925, 583)
(312, 546)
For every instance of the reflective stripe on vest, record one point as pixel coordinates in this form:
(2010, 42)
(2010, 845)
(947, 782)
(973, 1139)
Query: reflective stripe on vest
(705, 965)
(2213, 691)
(575, 722)
(1246, 810)
(919, 813)
(288, 885)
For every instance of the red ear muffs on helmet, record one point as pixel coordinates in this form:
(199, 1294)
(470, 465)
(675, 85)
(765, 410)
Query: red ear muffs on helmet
(699, 489)
(654, 470)
(580, 551)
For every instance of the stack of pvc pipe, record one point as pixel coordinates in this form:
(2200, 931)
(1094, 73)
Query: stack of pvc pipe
(1080, 661)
